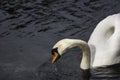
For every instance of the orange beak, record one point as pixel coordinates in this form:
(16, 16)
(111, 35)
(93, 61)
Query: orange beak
(55, 57)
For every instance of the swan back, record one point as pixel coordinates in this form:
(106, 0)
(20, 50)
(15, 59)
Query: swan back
(104, 42)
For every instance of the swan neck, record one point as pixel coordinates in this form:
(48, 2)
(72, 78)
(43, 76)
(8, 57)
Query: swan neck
(85, 62)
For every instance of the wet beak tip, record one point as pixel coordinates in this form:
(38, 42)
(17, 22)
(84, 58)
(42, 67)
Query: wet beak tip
(52, 62)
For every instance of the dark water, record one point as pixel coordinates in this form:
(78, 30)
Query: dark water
(29, 29)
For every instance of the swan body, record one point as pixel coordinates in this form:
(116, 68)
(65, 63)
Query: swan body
(105, 42)
(103, 47)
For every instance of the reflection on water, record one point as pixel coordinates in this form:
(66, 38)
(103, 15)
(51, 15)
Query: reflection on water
(29, 29)
(110, 72)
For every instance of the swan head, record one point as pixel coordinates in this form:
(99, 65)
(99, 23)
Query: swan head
(60, 48)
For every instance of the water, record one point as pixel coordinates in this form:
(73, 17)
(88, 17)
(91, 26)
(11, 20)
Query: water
(29, 29)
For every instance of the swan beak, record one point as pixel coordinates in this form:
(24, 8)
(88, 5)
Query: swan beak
(55, 57)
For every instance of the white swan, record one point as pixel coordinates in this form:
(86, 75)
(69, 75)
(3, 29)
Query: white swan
(103, 47)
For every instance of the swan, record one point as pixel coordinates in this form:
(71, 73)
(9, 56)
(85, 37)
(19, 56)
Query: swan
(102, 49)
